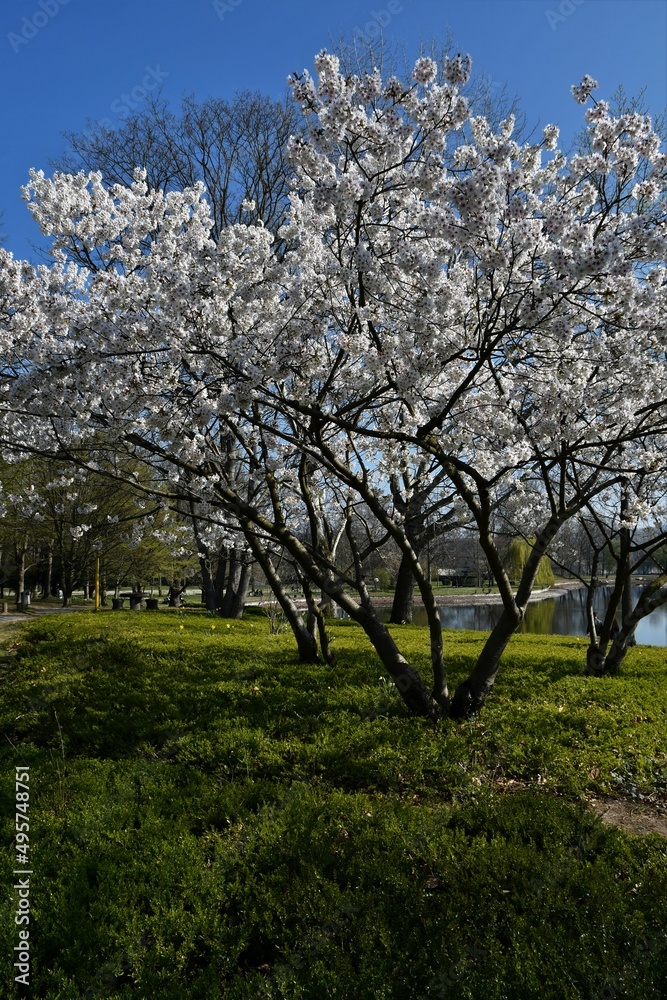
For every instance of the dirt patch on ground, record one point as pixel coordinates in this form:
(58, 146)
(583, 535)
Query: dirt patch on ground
(632, 817)
(629, 816)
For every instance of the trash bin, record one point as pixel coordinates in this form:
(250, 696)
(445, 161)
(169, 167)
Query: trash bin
(25, 600)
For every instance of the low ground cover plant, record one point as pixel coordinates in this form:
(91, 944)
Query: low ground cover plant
(210, 818)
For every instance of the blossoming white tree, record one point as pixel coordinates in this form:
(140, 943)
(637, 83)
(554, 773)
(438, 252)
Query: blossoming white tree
(492, 316)
(506, 316)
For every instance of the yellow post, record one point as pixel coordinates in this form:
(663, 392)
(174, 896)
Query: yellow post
(97, 583)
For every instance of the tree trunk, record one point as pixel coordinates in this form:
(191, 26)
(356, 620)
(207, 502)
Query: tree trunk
(595, 660)
(626, 601)
(225, 603)
(208, 586)
(241, 592)
(213, 584)
(66, 584)
(423, 580)
(20, 586)
(317, 620)
(401, 609)
(594, 656)
(653, 596)
(237, 586)
(325, 642)
(326, 606)
(473, 692)
(624, 562)
(407, 680)
(219, 579)
(49, 572)
(440, 691)
(306, 642)
(67, 575)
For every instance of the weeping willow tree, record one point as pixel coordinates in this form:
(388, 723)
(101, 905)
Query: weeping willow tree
(517, 557)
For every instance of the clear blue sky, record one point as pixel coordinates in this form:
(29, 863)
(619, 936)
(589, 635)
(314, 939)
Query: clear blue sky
(65, 61)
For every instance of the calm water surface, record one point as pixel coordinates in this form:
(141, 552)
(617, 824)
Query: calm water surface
(563, 615)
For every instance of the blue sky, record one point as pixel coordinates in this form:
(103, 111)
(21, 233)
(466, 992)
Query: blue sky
(65, 61)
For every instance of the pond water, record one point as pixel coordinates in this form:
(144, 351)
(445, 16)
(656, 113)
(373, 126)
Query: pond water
(562, 615)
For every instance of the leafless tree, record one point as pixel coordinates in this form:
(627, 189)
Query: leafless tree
(236, 148)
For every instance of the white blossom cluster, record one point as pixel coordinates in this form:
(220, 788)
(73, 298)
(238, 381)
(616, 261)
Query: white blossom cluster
(582, 91)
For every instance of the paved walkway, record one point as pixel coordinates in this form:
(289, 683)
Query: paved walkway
(37, 612)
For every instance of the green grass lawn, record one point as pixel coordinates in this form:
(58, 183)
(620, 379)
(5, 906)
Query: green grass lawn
(209, 818)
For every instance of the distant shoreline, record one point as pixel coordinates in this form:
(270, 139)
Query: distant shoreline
(453, 600)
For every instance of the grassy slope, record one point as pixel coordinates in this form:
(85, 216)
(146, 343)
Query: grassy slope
(211, 819)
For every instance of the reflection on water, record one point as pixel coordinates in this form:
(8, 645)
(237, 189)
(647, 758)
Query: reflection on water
(563, 615)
